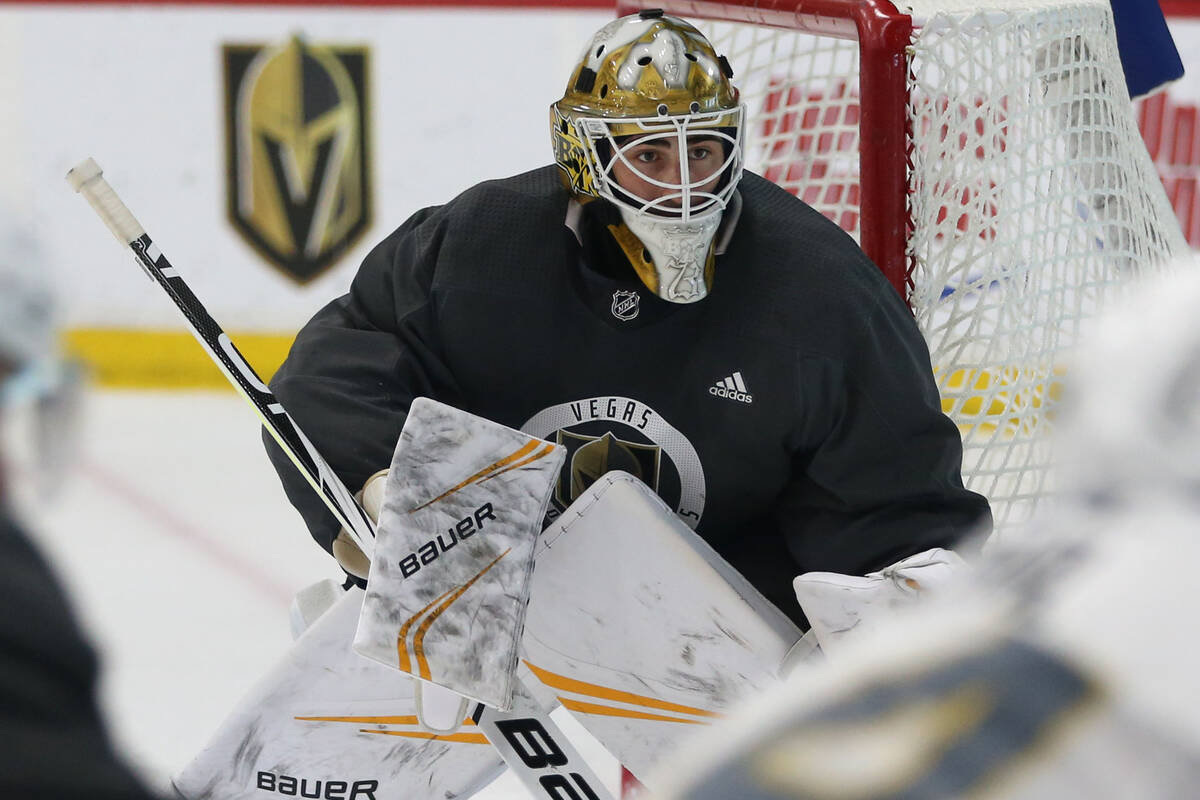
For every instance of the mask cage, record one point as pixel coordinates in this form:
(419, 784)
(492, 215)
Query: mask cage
(608, 141)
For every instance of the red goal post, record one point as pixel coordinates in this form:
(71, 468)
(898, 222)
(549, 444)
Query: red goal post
(987, 158)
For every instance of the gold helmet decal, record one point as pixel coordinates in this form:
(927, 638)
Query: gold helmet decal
(297, 151)
(570, 155)
(642, 74)
(646, 66)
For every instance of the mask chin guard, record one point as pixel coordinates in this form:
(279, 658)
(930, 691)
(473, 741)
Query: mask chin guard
(681, 252)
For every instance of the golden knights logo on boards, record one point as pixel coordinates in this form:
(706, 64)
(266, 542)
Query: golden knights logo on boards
(297, 151)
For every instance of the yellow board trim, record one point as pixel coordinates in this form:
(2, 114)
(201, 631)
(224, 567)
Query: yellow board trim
(1005, 391)
(982, 401)
(135, 358)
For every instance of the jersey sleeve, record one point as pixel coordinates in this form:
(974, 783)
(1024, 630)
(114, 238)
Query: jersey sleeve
(356, 366)
(884, 479)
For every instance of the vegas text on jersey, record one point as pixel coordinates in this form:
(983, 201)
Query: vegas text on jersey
(607, 433)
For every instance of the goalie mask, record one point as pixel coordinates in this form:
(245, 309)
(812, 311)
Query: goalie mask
(651, 123)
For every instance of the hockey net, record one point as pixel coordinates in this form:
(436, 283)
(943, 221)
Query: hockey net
(987, 158)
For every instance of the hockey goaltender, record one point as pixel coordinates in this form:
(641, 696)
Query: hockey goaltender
(604, 301)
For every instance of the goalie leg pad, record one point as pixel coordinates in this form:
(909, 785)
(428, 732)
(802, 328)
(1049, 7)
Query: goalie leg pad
(639, 628)
(327, 717)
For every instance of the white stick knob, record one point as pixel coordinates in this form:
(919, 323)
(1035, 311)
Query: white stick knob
(88, 179)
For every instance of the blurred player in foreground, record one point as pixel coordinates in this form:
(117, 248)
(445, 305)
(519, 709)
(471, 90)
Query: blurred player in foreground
(1066, 666)
(54, 742)
(653, 308)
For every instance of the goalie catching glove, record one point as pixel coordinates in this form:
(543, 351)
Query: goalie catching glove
(348, 554)
(837, 604)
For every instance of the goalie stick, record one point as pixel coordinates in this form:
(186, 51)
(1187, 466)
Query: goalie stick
(530, 744)
(87, 179)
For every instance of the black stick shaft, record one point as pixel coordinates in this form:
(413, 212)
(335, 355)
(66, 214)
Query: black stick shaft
(87, 179)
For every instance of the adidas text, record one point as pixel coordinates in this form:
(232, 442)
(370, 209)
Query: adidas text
(733, 387)
(732, 394)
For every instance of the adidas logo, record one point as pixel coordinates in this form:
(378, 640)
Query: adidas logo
(732, 387)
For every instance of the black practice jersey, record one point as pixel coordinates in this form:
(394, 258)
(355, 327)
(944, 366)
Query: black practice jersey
(790, 416)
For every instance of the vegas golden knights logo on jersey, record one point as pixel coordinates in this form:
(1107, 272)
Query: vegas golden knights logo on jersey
(297, 151)
(589, 457)
(605, 433)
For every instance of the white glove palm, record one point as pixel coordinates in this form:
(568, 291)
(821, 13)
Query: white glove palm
(840, 605)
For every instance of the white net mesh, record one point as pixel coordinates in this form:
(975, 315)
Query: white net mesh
(1030, 194)
(802, 94)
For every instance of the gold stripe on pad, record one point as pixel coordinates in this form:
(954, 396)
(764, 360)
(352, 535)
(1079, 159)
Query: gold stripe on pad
(423, 628)
(402, 636)
(556, 681)
(467, 738)
(612, 711)
(404, 720)
(520, 453)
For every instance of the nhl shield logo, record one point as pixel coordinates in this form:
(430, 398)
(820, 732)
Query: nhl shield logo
(625, 304)
(297, 151)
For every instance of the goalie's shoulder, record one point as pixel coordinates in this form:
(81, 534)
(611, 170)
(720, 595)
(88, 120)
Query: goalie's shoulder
(506, 237)
(496, 223)
(516, 199)
(520, 196)
(781, 215)
(799, 249)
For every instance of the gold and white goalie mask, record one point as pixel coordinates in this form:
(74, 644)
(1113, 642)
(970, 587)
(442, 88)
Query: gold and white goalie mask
(651, 123)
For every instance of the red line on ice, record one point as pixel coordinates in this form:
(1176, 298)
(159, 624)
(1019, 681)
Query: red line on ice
(168, 522)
